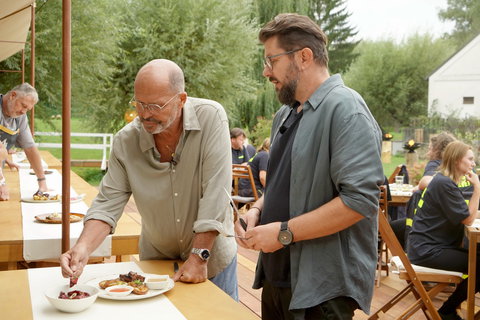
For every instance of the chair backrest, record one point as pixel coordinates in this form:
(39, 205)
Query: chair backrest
(400, 170)
(243, 172)
(396, 249)
(383, 201)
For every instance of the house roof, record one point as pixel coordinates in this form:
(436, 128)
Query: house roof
(15, 18)
(453, 55)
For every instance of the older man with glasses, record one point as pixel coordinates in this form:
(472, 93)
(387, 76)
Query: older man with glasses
(174, 158)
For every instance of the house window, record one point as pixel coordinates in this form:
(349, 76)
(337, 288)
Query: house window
(468, 100)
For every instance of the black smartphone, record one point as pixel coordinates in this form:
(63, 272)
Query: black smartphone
(243, 223)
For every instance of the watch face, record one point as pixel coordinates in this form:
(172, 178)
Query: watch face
(285, 237)
(205, 254)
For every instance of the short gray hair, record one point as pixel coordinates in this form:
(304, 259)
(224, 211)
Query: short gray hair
(25, 89)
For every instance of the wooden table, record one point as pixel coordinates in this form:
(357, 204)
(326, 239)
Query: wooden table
(399, 201)
(124, 241)
(473, 235)
(194, 301)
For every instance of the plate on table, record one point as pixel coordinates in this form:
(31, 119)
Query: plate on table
(151, 293)
(44, 172)
(56, 218)
(74, 199)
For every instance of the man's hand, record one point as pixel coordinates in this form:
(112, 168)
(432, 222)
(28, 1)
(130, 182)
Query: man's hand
(4, 196)
(194, 270)
(252, 217)
(73, 261)
(264, 237)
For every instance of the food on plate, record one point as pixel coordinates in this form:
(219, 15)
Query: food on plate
(75, 294)
(58, 216)
(110, 283)
(42, 196)
(131, 279)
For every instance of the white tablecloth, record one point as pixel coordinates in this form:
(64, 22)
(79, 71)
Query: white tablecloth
(20, 159)
(158, 307)
(42, 241)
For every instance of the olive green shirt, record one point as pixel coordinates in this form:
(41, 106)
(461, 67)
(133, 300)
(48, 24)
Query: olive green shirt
(178, 198)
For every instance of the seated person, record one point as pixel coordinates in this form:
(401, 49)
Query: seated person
(258, 163)
(3, 152)
(438, 225)
(240, 154)
(435, 149)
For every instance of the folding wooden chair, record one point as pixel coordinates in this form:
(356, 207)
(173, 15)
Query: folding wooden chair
(243, 172)
(382, 246)
(397, 172)
(413, 278)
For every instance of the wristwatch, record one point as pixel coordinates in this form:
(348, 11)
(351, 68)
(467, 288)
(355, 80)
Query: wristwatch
(204, 254)
(285, 236)
(3, 182)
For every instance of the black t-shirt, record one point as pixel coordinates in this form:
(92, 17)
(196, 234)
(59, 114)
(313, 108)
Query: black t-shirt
(431, 167)
(239, 156)
(437, 224)
(276, 265)
(257, 163)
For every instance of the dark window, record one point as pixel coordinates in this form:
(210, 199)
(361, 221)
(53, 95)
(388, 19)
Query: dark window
(468, 100)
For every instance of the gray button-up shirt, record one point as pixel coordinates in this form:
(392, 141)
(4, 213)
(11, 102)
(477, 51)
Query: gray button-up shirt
(336, 152)
(174, 200)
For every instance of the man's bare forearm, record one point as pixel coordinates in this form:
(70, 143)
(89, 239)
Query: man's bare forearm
(93, 234)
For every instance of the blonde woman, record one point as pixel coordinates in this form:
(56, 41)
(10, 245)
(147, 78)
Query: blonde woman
(438, 227)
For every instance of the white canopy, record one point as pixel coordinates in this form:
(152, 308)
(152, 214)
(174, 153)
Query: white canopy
(15, 18)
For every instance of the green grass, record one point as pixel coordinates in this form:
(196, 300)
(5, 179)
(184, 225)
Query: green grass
(389, 167)
(92, 175)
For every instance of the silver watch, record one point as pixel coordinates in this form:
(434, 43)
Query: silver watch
(204, 254)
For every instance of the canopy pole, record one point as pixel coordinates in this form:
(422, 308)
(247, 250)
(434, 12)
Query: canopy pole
(32, 64)
(23, 67)
(66, 106)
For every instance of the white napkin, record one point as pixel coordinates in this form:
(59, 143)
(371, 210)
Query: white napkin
(41, 279)
(20, 159)
(42, 241)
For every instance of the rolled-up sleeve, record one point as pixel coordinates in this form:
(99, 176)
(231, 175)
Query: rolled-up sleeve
(356, 165)
(214, 211)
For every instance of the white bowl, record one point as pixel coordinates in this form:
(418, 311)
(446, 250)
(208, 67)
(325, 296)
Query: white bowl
(157, 282)
(119, 291)
(71, 305)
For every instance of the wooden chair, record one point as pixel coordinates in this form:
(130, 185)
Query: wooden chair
(395, 172)
(243, 172)
(382, 246)
(414, 279)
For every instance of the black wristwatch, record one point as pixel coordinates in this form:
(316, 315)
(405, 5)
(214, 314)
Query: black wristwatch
(285, 236)
(204, 254)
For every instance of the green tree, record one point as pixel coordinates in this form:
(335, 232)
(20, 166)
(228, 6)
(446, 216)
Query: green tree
(332, 16)
(392, 78)
(213, 41)
(466, 15)
(90, 50)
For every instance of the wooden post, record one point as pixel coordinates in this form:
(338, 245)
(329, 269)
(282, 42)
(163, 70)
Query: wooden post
(386, 151)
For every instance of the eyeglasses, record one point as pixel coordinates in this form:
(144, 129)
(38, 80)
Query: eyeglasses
(151, 107)
(267, 61)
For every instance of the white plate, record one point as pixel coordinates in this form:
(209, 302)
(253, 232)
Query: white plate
(151, 293)
(30, 200)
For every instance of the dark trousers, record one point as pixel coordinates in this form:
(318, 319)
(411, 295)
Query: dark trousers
(275, 302)
(453, 260)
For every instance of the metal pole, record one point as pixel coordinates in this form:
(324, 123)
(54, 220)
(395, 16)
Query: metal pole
(66, 106)
(32, 65)
(23, 65)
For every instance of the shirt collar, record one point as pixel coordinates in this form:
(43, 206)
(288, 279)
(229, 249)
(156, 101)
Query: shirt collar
(190, 123)
(317, 97)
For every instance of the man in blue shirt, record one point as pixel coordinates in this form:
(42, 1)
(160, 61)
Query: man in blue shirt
(316, 223)
(240, 153)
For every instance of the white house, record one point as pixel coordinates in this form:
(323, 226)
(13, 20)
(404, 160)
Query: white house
(454, 88)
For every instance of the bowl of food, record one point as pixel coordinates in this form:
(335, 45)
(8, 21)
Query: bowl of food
(119, 290)
(75, 299)
(157, 282)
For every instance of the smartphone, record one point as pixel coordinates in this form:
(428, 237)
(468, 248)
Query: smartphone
(243, 223)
